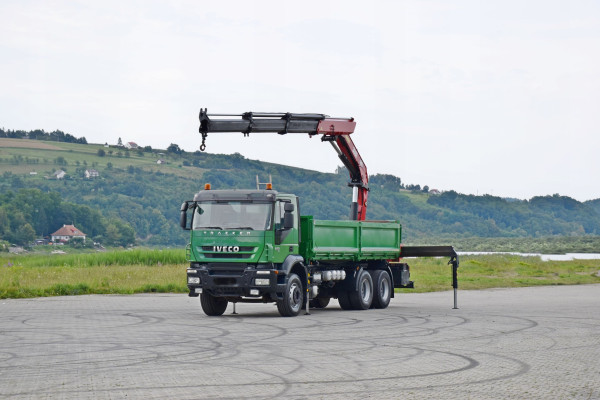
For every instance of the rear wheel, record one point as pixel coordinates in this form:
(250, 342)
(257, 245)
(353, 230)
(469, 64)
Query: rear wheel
(211, 305)
(293, 297)
(344, 301)
(362, 298)
(382, 284)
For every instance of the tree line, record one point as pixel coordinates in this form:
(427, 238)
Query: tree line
(148, 201)
(40, 134)
(28, 214)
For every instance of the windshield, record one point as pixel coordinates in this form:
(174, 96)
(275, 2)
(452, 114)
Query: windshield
(233, 215)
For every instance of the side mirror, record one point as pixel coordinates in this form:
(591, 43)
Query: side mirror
(288, 217)
(183, 216)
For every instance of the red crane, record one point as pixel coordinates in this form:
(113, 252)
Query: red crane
(336, 131)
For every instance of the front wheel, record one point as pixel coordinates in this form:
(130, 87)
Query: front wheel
(293, 297)
(211, 305)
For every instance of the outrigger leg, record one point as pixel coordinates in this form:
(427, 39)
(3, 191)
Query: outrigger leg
(454, 262)
(436, 251)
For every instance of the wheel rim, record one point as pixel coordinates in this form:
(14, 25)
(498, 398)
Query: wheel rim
(295, 297)
(365, 290)
(384, 289)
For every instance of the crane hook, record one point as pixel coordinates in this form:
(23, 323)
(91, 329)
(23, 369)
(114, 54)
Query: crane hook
(203, 145)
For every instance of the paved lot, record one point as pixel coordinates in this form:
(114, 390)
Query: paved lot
(531, 343)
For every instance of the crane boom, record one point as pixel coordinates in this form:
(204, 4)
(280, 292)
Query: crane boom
(334, 130)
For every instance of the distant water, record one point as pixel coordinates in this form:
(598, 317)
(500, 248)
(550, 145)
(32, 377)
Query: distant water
(544, 257)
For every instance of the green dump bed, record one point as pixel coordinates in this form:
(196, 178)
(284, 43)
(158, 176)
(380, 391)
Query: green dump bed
(349, 240)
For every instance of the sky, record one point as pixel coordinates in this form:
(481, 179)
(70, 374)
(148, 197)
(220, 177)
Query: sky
(481, 97)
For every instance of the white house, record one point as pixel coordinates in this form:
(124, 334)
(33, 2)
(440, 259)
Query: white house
(91, 173)
(60, 174)
(66, 233)
(131, 145)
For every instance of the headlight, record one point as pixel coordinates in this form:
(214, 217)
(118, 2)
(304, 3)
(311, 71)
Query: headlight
(194, 280)
(262, 282)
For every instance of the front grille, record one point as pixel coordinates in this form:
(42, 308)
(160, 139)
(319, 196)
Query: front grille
(243, 252)
(227, 255)
(242, 248)
(227, 269)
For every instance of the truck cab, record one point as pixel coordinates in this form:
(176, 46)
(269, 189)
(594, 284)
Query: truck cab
(243, 244)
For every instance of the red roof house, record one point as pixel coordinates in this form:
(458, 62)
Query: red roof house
(66, 233)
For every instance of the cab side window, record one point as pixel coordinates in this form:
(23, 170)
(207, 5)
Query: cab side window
(279, 211)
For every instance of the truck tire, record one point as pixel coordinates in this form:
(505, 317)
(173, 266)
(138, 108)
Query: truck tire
(382, 285)
(293, 297)
(344, 301)
(211, 305)
(319, 302)
(362, 298)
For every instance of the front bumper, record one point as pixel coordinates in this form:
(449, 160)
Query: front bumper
(233, 280)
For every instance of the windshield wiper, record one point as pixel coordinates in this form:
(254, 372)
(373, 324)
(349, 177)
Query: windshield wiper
(210, 227)
(249, 228)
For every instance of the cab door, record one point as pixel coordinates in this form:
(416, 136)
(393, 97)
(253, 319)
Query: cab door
(286, 240)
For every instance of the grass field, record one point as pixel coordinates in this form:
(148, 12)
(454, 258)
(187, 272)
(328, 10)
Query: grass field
(540, 245)
(75, 154)
(28, 144)
(116, 272)
(142, 270)
(493, 271)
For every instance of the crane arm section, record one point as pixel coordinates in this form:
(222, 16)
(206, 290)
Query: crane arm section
(334, 130)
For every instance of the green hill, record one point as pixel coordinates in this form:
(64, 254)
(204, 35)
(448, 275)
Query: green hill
(133, 187)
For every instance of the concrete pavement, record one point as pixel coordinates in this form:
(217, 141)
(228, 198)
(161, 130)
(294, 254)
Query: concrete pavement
(526, 343)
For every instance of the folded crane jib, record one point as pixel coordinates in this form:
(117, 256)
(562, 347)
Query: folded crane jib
(336, 131)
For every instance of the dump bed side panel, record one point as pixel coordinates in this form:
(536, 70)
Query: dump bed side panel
(380, 240)
(349, 240)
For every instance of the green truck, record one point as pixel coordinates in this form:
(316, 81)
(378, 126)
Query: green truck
(254, 246)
